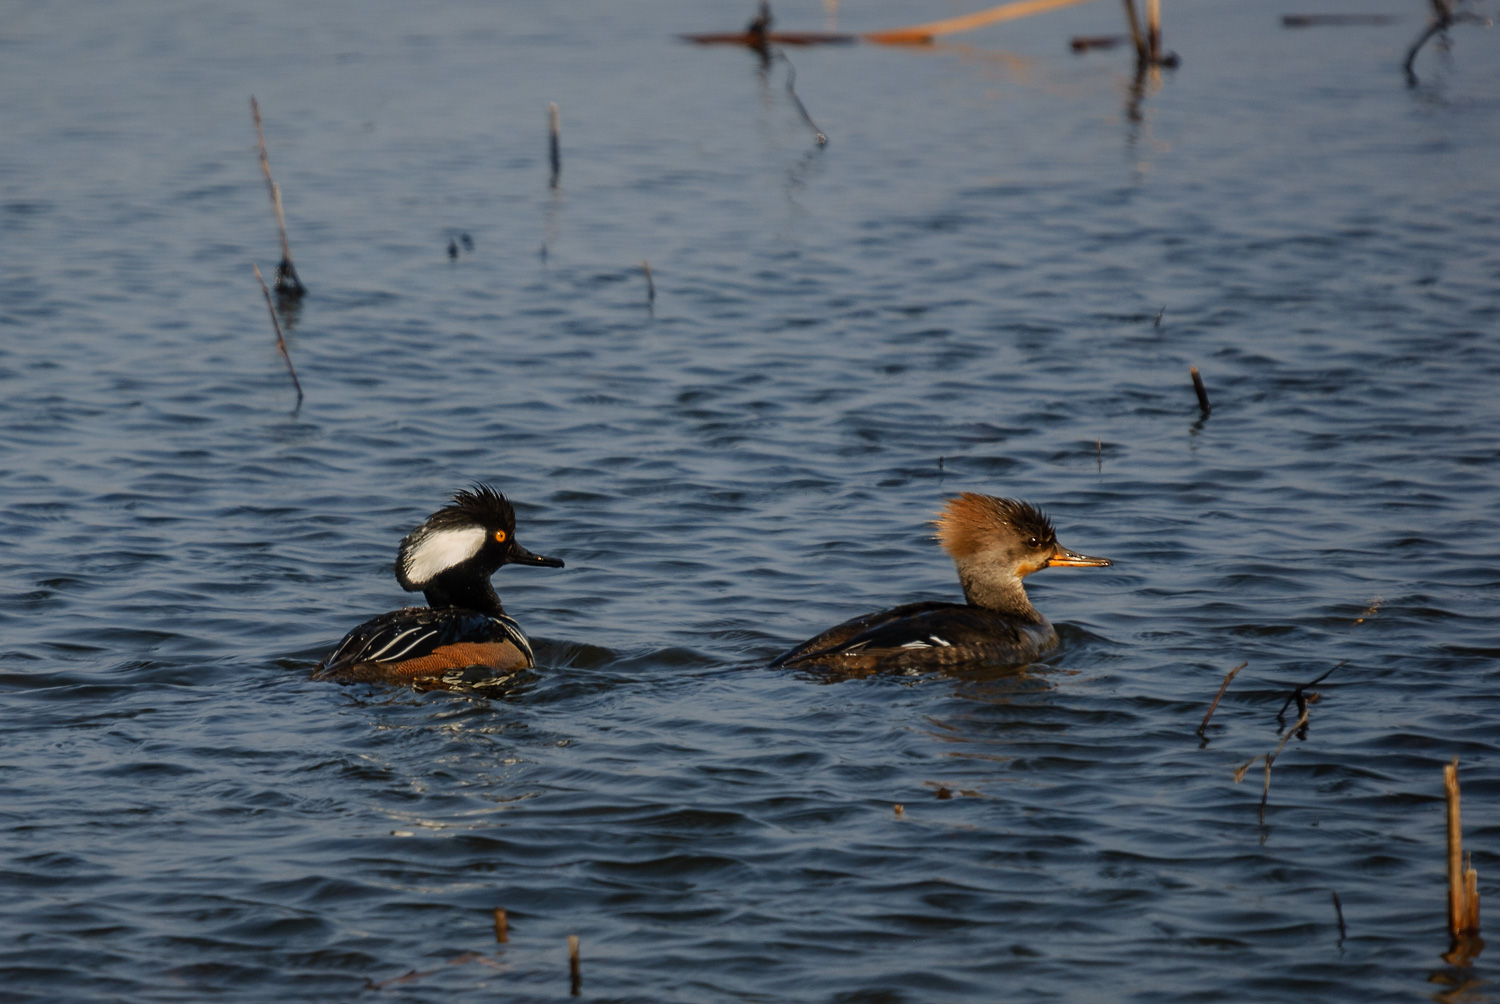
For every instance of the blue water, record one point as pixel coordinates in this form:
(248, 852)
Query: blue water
(960, 292)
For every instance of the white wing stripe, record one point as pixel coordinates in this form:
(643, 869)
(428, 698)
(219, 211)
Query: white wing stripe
(373, 656)
(414, 643)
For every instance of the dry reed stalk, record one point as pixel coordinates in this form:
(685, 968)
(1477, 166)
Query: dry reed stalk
(280, 341)
(502, 926)
(921, 34)
(900, 810)
(1142, 54)
(1198, 388)
(287, 282)
(554, 147)
(1464, 943)
(1220, 695)
(1153, 29)
(575, 977)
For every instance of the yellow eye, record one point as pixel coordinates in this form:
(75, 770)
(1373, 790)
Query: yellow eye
(499, 536)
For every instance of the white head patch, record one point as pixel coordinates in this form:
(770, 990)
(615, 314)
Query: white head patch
(439, 550)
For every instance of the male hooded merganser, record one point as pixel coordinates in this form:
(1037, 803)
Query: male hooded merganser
(450, 559)
(995, 543)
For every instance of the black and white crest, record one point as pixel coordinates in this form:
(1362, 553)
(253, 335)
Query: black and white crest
(453, 535)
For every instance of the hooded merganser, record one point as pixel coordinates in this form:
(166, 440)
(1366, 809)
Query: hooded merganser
(450, 559)
(995, 542)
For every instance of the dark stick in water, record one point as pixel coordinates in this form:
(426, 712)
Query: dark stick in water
(287, 282)
(650, 286)
(791, 79)
(1142, 54)
(1203, 404)
(1338, 908)
(1443, 18)
(553, 146)
(280, 341)
(1297, 694)
(575, 978)
(1315, 20)
(1220, 695)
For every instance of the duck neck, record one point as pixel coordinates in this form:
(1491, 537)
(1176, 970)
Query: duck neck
(467, 592)
(997, 590)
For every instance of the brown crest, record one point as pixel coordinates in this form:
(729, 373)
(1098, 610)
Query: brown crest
(972, 522)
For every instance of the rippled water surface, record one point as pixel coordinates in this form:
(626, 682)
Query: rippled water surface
(960, 292)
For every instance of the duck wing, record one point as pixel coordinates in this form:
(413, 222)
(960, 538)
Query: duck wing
(835, 638)
(423, 641)
(936, 635)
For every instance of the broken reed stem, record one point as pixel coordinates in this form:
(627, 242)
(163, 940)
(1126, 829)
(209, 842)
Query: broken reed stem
(1203, 404)
(280, 341)
(791, 80)
(575, 977)
(1142, 54)
(287, 282)
(650, 286)
(1338, 908)
(554, 147)
(502, 926)
(1463, 881)
(1153, 29)
(1219, 696)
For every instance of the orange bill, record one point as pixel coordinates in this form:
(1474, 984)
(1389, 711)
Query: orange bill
(1065, 558)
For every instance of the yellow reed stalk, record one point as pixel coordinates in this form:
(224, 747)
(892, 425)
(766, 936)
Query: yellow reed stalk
(919, 34)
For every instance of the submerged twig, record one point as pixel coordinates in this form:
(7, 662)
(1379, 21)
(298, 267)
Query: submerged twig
(1338, 908)
(650, 286)
(280, 341)
(791, 80)
(1443, 18)
(287, 282)
(1269, 758)
(1219, 696)
(1297, 694)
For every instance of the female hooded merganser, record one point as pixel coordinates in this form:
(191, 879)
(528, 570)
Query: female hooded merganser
(450, 559)
(995, 543)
